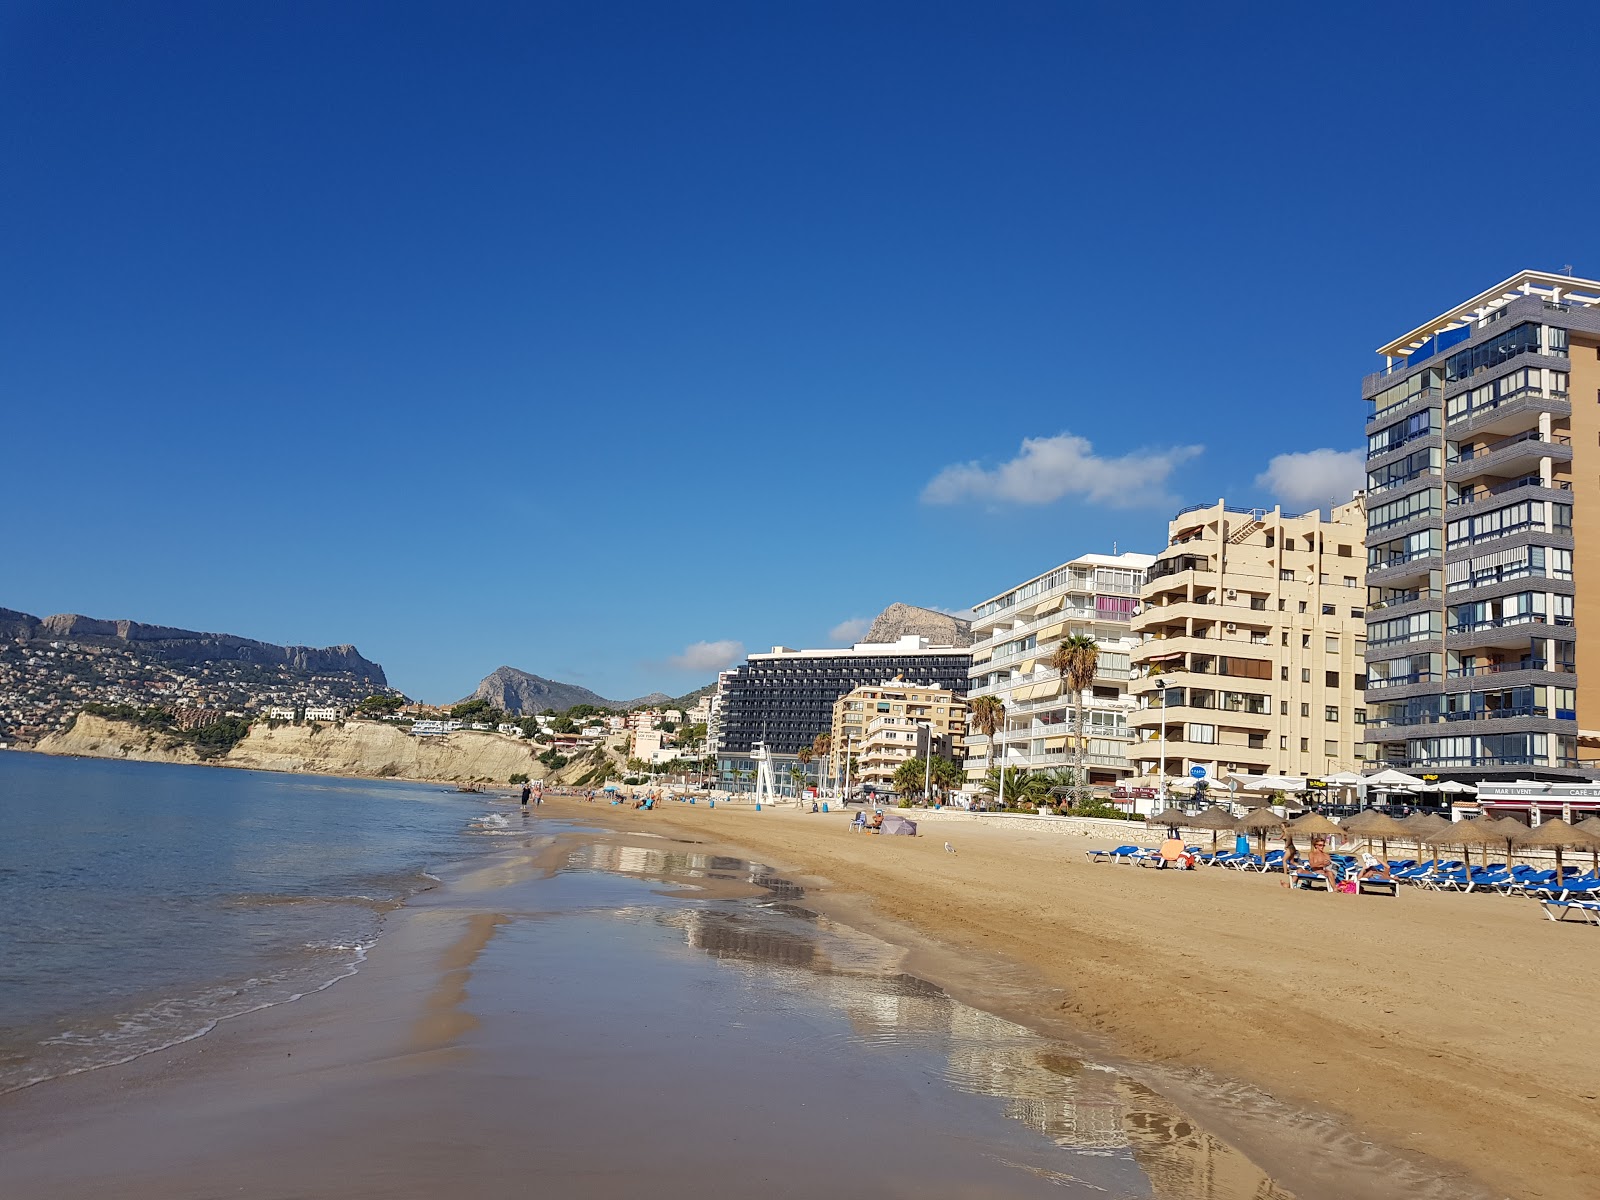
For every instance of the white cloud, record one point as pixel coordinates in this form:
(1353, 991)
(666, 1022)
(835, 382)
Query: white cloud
(707, 656)
(1314, 478)
(1049, 468)
(851, 631)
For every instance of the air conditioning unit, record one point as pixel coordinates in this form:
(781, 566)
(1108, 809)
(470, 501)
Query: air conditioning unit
(1233, 593)
(1231, 627)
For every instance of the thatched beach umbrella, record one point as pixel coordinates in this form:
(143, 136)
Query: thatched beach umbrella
(1216, 819)
(1557, 835)
(1373, 824)
(1312, 825)
(1592, 825)
(1419, 825)
(1261, 821)
(1174, 818)
(1465, 834)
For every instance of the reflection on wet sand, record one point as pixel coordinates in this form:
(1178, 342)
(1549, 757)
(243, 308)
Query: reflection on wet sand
(1082, 1107)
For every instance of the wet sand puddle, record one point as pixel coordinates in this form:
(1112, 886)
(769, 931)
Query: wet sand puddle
(718, 1023)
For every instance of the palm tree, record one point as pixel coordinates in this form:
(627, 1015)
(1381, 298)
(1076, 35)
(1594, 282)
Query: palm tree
(797, 776)
(989, 714)
(822, 747)
(804, 755)
(1075, 658)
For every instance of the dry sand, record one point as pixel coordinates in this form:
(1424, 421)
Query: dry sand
(1454, 1026)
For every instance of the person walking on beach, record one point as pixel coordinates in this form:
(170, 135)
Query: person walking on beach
(1290, 850)
(527, 792)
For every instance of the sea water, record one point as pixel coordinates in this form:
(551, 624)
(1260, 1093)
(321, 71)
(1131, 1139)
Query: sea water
(141, 903)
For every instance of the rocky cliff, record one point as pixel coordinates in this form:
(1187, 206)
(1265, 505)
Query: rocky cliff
(900, 620)
(186, 647)
(519, 692)
(366, 748)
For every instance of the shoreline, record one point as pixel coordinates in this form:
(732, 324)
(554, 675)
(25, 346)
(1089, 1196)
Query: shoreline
(1420, 1025)
(1007, 961)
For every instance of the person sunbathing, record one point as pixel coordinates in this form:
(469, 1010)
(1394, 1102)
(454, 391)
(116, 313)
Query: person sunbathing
(877, 823)
(1321, 862)
(1371, 868)
(1172, 855)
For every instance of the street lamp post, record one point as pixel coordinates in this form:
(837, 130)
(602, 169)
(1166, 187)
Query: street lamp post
(927, 766)
(1161, 690)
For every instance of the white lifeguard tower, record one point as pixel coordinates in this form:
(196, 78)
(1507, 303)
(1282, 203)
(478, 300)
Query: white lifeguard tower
(766, 792)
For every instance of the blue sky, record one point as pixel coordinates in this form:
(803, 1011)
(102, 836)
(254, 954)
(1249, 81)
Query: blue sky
(599, 339)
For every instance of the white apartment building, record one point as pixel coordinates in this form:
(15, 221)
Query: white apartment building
(1014, 635)
(280, 712)
(324, 712)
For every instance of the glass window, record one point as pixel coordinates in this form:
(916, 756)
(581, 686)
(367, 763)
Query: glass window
(1330, 747)
(1305, 710)
(1305, 745)
(1205, 734)
(1359, 716)
(1330, 713)
(1330, 679)
(1305, 675)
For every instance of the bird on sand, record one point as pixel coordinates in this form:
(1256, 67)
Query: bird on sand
(949, 849)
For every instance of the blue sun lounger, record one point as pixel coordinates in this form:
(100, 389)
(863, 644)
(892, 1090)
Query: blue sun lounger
(1120, 854)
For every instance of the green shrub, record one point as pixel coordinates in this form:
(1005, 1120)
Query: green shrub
(519, 777)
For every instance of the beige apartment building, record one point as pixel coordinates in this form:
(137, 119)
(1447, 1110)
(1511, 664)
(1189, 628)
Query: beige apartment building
(883, 725)
(1253, 638)
(1016, 632)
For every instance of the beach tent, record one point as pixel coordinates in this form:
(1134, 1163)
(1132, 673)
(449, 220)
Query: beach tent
(899, 826)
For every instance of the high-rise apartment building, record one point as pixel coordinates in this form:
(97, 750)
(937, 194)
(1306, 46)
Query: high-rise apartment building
(1252, 632)
(1483, 430)
(785, 698)
(1014, 635)
(881, 726)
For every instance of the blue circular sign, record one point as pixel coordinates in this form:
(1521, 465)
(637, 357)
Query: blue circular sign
(1198, 772)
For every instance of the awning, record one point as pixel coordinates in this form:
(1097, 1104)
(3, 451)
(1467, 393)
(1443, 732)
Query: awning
(1050, 606)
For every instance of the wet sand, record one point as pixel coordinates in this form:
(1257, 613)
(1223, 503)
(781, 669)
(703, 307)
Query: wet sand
(1451, 1030)
(603, 1015)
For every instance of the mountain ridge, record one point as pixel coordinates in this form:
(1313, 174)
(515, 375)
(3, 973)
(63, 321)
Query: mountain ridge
(189, 647)
(521, 692)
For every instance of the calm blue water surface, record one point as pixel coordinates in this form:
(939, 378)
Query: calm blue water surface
(141, 902)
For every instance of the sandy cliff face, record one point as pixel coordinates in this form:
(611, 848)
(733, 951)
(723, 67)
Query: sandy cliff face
(357, 748)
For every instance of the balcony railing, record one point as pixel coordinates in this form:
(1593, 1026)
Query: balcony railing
(1501, 401)
(1531, 435)
(1377, 683)
(1528, 618)
(1384, 562)
(1401, 481)
(1473, 495)
(1406, 596)
(1523, 664)
(1426, 394)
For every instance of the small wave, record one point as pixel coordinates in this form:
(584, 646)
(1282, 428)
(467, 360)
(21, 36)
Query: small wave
(175, 1020)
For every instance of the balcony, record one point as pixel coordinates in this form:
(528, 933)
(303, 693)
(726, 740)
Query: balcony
(1504, 414)
(1377, 684)
(1419, 399)
(1474, 495)
(1503, 668)
(1518, 454)
(1395, 567)
(1401, 596)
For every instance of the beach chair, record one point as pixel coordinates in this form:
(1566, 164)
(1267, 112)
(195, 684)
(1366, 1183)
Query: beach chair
(1377, 887)
(1311, 881)
(1121, 852)
(1560, 910)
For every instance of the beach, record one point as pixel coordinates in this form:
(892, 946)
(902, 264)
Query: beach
(1449, 1026)
(616, 1000)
